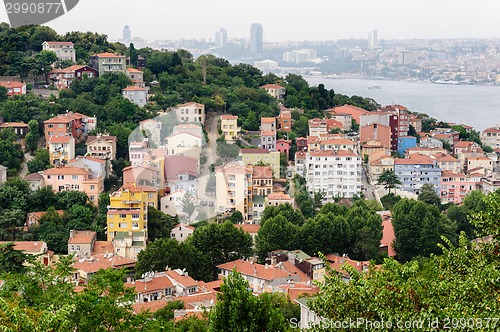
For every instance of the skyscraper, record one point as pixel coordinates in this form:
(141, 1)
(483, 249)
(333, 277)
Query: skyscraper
(127, 33)
(373, 38)
(221, 38)
(256, 38)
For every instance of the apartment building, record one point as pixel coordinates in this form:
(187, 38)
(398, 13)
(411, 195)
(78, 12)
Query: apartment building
(337, 173)
(74, 178)
(491, 137)
(284, 120)
(61, 149)
(234, 188)
(108, 62)
(101, 147)
(416, 170)
(447, 162)
(275, 90)
(276, 199)
(229, 127)
(136, 94)
(190, 113)
(455, 187)
(268, 140)
(181, 232)
(14, 88)
(184, 144)
(63, 50)
(377, 132)
(257, 156)
(127, 218)
(74, 124)
(136, 76)
(300, 163)
(380, 165)
(81, 243)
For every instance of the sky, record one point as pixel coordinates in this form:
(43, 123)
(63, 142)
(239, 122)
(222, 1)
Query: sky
(283, 20)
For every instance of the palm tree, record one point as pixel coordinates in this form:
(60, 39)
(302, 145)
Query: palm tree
(388, 179)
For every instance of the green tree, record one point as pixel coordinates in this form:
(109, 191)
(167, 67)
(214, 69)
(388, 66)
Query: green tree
(159, 224)
(429, 196)
(389, 180)
(276, 233)
(188, 205)
(418, 228)
(238, 310)
(32, 136)
(40, 162)
(11, 260)
(388, 201)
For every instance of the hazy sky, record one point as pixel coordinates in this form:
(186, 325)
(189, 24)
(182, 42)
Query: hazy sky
(284, 20)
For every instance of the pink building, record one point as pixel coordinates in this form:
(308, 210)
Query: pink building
(455, 187)
(283, 146)
(74, 178)
(376, 132)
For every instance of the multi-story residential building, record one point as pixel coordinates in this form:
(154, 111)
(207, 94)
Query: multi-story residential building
(62, 78)
(268, 140)
(257, 156)
(371, 147)
(63, 50)
(101, 147)
(377, 132)
(300, 163)
(74, 178)
(99, 167)
(317, 127)
(81, 243)
(61, 149)
(262, 178)
(135, 94)
(302, 144)
(283, 146)
(171, 203)
(416, 123)
(480, 162)
(74, 124)
(234, 188)
(416, 170)
(447, 162)
(344, 118)
(261, 278)
(335, 172)
(455, 187)
(461, 146)
(406, 142)
(380, 165)
(86, 268)
(19, 128)
(430, 142)
(229, 127)
(334, 143)
(3, 174)
(267, 124)
(127, 218)
(180, 232)
(275, 90)
(184, 144)
(491, 137)
(108, 62)
(14, 88)
(284, 119)
(490, 183)
(152, 287)
(136, 76)
(141, 175)
(190, 113)
(35, 180)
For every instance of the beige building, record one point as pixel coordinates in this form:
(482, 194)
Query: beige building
(180, 232)
(190, 113)
(381, 165)
(233, 188)
(63, 50)
(61, 149)
(275, 90)
(229, 127)
(101, 147)
(447, 162)
(184, 144)
(491, 137)
(276, 199)
(33, 248)
(81, 243)
(256, 156)
(136, 76)
(480, 162)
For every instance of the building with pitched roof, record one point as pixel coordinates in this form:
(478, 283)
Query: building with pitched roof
(63, 50)
(86, 267)
(33, 248)
(136, 94)
(108, 62)
(101, 147)
(181, 232)
(275, 90)
(69, 123)
(136, 76)
(416, 170)
(257, 156)
(63, 77)
(61, 149)
(19, 128)
(14, 88)
(284, 119)
(229, 127)
(491, 137)
(152, 287)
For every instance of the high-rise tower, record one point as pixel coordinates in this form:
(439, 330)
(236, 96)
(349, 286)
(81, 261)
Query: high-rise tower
(256, 38)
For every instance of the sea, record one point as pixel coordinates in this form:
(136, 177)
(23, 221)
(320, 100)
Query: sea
(473, 105)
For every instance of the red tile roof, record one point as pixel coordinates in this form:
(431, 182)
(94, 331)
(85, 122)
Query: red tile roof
(12, 85)
(254, 269)
(146, 286)
(492, 130)
(337, 261)
(416, 158)
(133, 70)
(185, 280)
(229, 117)
(59, 139)
(184, 225)
(56, 43)
(298, 290)
(103, 247)
(388, 237)
(279, 196)
(134, 88)
(27, 246)
(272, 86)
(65, 171)
(267, 120)
(249, 228)
(333, 153)
(102, 261)
(91, 139)
(109, 55)
(13, 125)
(81, 237)
(262, 172)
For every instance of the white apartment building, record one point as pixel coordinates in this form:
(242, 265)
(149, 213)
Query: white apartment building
(63, 50)
(233, 182)
(190, 112)
(337, 173)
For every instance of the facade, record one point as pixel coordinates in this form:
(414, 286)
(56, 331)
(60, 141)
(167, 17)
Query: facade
(234, 188)
(108, 62)
(261, 278)
(229, 127)
(74, 124)
(275, 90)
(136, 76)
(136, 95)
(74, 178)
(417, 170)
(284, 120)
(377, 132)
(455, 187)
(491, 137)
(256, 38)
(61, 149)
(268, 140)
(406, 142)
(379, 166)
(62, 78)
(491, 183)
(81, 243)
(14, 88)
(127, 218)
(19, 128)
(190, 113)
(300, 163)
(256, 156)
(317, 127)
(447, 162)
(3, 174)
(480, 162)
(337, 173)
(431, 142)
(276, 199)
(35, 180)
(344, 118)
(63, 50)
(283, 146)
(184, 144)
(101, 147)
(180, 232)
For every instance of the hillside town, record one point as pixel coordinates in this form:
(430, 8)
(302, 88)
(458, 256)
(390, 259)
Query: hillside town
(194, 172)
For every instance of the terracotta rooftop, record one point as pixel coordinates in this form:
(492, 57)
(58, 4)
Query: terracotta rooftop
(134, 88)
(333, 153)
(58, 43)
(492, 130)
(103, 247)
(413, 159)
(27, 246)
(12, 84)
(268, 133)
(229, 117)
(184, 225)
(34, 177)
(272, 86)
(13, 125)
(291, 268)
(298, 290)
(65, 171)
(91, 139)
(279, 196)
(81, 237)
(133, 70)
(254, 269)
(337, 261)
(185, 280)
(109, 55)
(59, 139)
(267, 120)
(300, 155)
(249, 228)
(102, 261)
(262, 172)
(153, 284)
(191, 103)
(464, 144)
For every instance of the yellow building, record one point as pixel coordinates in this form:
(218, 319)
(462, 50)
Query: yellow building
(127, 218)
(229, 127)
(257, 156)
(234, 188)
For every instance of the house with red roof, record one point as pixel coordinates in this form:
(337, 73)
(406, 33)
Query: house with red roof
(62, 78)
(354, 111)
(416, 170)
(33, 248)
(86, 267)
(14, 88)
(136, 76)
(19, 128)
(181, 232)
(388, 236)
(152, 287)
(275, 90)
(69, 123)
(136, 94)
(108, 62)
(61, 149)
(491, 137)
(284, 119)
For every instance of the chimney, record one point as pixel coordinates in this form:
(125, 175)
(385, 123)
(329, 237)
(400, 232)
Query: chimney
(254, 271)
(71, 234)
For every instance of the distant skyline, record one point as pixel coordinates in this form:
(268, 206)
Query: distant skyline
(283, 20)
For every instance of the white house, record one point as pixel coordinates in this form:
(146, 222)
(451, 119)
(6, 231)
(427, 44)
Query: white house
(136, 94)
(180, 232)
(190, 112)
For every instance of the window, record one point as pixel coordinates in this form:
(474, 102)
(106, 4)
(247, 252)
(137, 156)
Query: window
(123, 216)
(122, 225)
(135, 225)
(60, 177)
(92, 186)
(151, 195)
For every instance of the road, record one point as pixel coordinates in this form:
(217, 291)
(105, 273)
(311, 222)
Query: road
(369, 189)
